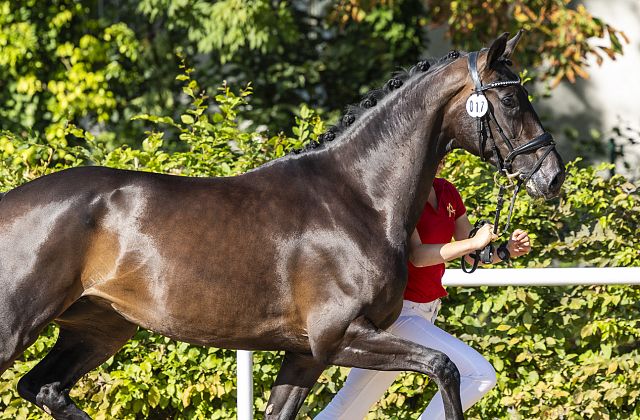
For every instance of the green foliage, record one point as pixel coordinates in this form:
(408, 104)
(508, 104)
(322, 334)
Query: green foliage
(54, 70)
(587, 368)
(230, 26)
(96, 65)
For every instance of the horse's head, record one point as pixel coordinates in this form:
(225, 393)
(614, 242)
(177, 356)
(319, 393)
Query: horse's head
(492, 117)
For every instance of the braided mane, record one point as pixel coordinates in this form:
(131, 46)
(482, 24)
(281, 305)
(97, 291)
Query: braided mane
(372, 98)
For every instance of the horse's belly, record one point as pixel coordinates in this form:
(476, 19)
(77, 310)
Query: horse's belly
(216, 316)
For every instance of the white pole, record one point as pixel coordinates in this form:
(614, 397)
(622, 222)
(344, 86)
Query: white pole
(245, 385)
(543, 277)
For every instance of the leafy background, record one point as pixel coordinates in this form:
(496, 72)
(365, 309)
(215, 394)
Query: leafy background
(84, 83)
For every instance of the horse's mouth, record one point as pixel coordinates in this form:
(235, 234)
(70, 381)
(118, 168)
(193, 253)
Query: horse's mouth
(545, 190)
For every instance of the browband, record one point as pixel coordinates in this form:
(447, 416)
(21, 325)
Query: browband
(472, 64)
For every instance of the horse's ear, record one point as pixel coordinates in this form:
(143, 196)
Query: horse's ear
(497, 49)
(511, 44)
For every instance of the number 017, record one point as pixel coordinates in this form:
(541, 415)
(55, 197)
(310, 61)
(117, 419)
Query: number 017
(476, 106)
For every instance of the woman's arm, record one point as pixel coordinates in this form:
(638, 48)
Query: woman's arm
(422, 255)
(462, 228)
(518, 244)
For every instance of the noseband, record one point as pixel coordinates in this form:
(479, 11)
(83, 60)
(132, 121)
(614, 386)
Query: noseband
(484, 117)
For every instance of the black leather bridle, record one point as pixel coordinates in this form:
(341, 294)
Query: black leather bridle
(484, 128)
(483, 123)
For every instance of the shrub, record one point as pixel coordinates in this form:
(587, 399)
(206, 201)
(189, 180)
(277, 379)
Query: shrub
(586, 368)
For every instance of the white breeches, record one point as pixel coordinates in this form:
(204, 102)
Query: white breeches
(363, 388)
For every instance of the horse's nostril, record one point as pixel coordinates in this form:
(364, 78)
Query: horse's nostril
(556, 182)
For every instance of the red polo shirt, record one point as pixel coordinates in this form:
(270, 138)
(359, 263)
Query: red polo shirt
(434, 227)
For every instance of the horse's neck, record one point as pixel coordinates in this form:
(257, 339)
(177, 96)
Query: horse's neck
(392, 152)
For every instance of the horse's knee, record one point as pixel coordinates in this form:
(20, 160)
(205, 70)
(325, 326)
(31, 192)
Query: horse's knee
(329, 343)
(444, 370)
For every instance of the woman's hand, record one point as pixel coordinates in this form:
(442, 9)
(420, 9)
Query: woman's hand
(519, 244)
(484, 236)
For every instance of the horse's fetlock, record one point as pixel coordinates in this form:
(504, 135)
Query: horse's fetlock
(52, 397)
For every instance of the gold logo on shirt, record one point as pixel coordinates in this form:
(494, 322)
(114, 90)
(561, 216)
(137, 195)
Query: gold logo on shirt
(451, 210)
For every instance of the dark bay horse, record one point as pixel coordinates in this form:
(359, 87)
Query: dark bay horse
(306, 254)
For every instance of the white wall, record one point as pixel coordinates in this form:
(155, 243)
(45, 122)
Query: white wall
(611, 96)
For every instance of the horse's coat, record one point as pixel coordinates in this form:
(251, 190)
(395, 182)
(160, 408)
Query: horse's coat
(306, 254)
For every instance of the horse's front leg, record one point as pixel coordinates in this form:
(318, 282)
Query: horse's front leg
(298, 373)
(365, 346)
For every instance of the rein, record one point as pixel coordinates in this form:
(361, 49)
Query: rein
(484, 116)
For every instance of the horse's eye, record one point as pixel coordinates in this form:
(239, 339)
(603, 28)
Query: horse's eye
(509, 101)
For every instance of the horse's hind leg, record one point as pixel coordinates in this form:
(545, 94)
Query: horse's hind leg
(12, 344)
(365, 346)
(90, 332)
(298, 373)
(23, 316)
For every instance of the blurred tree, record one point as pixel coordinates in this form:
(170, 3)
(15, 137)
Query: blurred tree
(323, 53)
(58, 63)
(561, 35)
(97, 63)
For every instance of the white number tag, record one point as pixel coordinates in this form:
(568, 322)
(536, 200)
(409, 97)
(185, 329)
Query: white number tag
(477, 105)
